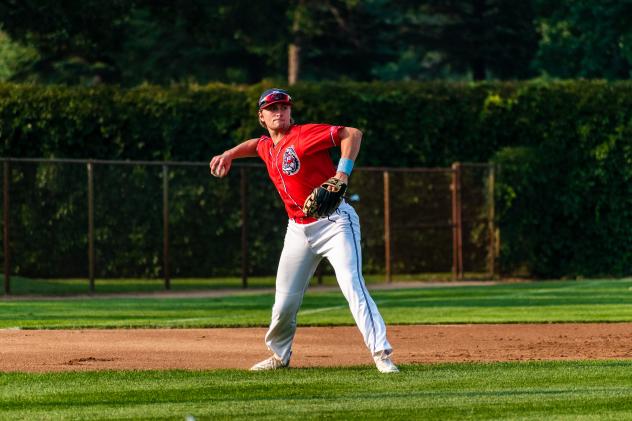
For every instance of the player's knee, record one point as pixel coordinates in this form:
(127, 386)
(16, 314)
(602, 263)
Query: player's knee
(285, 310)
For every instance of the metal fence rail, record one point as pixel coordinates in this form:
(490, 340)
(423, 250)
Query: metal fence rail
(402, 220)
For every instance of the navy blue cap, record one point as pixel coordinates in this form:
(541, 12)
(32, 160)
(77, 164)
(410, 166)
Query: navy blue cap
(273, 96)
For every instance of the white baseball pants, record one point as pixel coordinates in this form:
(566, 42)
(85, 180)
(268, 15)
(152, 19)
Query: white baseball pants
(338, 240)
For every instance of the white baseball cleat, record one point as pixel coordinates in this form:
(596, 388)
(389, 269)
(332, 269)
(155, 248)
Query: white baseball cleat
(384, 364)
(272, 363)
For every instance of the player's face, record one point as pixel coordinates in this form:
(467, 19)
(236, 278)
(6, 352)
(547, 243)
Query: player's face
(277, 116)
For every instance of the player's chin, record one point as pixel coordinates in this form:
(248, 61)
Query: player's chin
(280, 125)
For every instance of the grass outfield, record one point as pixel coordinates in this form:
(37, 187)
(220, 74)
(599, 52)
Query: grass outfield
(559, 301)
(525, 391)
(21, 285)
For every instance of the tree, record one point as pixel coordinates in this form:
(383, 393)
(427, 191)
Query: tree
(585, 38)
(484, 38)
(71, 37)
(14, 57)
(202, 42)
(131, 41)
(342, 39)
(158, 41)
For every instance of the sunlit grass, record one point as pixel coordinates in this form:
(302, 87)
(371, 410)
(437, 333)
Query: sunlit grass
(35, 286)
(534, 302)
(525, 391)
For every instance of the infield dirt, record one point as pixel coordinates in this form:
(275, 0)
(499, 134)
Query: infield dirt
(201, 349)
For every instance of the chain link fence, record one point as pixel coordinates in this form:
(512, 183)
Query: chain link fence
(120, 219)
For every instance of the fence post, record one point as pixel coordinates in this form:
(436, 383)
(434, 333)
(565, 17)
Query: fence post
(457, 236)
(91, 224)
(5, 210)
(387, 226)
(244, 228)
(491, 216)
(165, 226)
(319, 273)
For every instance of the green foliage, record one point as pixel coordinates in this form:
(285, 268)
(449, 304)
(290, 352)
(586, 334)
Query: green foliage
(239, 41)
(14, 57)
(519, 182)
(480, 39)
(585, 38)
(347, 39)
(74, 39)
(564, 191)
(566, 197)
(105, 122)
(236, 41)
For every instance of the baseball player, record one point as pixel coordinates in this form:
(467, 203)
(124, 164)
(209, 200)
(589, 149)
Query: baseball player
(297, 159)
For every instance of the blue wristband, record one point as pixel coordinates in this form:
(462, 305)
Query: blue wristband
(345, 165)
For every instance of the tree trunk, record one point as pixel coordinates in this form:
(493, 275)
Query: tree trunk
(478, 63)
(294, 49)
(293, 68)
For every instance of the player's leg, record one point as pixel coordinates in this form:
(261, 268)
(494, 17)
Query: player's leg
(296, 267)
(342, 249)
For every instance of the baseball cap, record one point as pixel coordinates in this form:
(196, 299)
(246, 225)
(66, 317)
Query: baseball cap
(272, 96)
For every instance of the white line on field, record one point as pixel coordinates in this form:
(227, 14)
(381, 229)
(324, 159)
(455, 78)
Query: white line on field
(190, 319)
(206, 318)
(321, 310)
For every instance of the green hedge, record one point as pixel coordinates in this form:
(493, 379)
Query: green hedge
(405, 124)
(565, 148)
(566, 193)
(147, 123)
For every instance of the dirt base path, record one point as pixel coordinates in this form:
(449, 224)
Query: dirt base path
(123, 349)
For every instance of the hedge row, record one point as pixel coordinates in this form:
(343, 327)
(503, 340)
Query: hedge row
(565, 149)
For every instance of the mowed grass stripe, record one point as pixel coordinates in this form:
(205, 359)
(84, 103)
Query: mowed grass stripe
(534, 390)
(533, 302)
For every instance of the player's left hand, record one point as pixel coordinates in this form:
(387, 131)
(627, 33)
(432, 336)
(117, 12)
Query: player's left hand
(325, 199)
(342, 177)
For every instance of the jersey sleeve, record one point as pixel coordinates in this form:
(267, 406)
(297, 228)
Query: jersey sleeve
(317, 137)
(261, 147)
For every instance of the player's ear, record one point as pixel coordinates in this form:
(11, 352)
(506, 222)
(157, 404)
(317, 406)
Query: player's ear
(262, 123)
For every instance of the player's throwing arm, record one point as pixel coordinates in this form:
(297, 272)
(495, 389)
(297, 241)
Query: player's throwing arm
(220, 164)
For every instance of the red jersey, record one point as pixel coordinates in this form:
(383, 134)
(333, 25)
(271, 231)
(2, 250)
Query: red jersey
(299, 163)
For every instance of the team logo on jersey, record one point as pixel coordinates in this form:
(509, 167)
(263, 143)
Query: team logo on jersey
(291, 164)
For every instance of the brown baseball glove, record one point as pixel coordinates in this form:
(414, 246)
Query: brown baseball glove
(325, 199)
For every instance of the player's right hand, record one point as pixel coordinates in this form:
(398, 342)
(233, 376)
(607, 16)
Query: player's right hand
(220, 165)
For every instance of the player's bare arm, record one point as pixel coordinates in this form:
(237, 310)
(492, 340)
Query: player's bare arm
(350, 140)
(220, 164)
